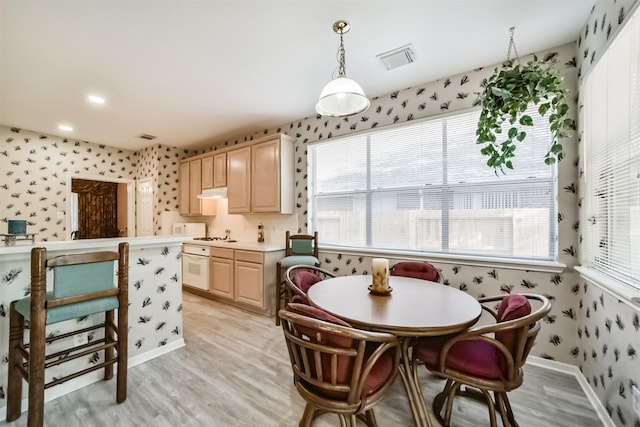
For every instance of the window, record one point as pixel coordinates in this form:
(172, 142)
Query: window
(425, 187)
(611, 171)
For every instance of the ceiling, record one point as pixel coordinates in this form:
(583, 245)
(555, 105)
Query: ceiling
(194, 73)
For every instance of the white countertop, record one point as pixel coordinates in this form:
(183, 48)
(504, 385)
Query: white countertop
(65, 245)
(248, 246)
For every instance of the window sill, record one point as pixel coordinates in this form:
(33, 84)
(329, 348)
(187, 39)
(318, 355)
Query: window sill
(513, 264)
(616, 288)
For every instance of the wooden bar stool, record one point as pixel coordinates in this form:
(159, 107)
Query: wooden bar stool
(83, 284)
(300, 249)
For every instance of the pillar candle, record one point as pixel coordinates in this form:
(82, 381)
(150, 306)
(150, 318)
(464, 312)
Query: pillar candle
(380, 273)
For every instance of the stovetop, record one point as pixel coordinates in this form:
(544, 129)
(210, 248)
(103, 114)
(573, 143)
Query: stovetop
(208, 239)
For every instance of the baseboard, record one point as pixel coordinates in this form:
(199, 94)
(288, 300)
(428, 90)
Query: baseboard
(573, 370)
(156, 352)
(93, 377)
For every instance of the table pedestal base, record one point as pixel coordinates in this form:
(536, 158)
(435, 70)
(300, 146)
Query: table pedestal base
(410, 380)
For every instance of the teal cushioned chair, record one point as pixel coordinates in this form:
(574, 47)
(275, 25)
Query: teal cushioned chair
(300, 249)
(83, 284)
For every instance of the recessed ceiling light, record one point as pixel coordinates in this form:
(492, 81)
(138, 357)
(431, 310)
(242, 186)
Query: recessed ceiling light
(96, 99)
(66, 128)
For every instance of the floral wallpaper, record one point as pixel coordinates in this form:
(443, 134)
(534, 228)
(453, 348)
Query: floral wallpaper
(608, 330)
(34, 172)
(155, 307)
(162, 163)
(35, 167)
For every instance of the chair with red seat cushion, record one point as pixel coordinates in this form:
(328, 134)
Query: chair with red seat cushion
(417, 270)
(337, 368)
(486, 358)
(299, 278)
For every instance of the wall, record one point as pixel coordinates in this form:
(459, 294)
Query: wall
(34, 171)
(608, 330)
(162, 163)
(557, 339)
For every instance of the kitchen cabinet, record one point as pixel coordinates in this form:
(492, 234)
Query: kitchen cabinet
(189, 187)
(220, 170)
(272, 176)
(239, 180)
(221, 272)
(249, 278)
(207, 172)
(241, 277)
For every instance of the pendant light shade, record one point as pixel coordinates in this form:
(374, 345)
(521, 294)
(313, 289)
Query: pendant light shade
(341, 96)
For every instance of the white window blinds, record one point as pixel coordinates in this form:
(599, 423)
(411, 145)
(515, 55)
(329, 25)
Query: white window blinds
(425, 187)
(610, 215)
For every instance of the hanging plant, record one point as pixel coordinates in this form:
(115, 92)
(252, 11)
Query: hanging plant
(506, 96)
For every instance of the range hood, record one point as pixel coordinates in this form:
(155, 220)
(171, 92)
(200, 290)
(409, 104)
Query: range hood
(213, 193)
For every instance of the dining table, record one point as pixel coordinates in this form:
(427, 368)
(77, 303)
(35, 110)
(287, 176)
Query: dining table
(413, 308)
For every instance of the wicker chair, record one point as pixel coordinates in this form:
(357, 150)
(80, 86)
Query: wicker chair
(300, 278)
(83, 284)
(299, 249)
(337, 368)
(417, 270)
(487, 358)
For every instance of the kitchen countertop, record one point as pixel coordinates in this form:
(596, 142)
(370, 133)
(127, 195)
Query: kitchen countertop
(248, 246)
(86, 244)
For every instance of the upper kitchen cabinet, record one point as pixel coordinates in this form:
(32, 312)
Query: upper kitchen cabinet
(220, 170)
(189, 187)
(272, 176)
(207, 172)
(239, 180)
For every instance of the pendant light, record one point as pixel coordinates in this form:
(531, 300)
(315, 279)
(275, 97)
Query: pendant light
(341, 96)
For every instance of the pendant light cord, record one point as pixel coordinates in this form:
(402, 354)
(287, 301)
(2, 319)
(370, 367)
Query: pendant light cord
(512, 45)
(341, 59)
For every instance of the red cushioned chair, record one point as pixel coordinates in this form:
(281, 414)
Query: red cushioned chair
(300, 278)
(487, 358)
(417, 270)
(337, 368)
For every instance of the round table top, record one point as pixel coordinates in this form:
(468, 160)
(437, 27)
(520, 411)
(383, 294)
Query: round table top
(414, 308)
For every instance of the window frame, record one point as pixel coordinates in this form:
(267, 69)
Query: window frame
(551, 264)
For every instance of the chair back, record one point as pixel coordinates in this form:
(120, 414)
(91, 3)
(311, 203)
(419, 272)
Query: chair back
(301, 244)
(84, 283)
(300, 278)
(416, 270)
(338, 368)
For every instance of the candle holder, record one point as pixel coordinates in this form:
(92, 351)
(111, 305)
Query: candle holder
(380, 277)
(380, 293)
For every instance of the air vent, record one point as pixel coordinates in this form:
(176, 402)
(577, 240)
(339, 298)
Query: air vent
(146, 136)
(398, 57)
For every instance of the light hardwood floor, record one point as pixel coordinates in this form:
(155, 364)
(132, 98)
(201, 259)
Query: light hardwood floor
(234, 371)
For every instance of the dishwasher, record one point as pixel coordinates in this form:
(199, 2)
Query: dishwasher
(195, 266)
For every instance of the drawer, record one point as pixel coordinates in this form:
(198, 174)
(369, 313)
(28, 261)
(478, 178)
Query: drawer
(221, 253)
(195, 250)
(254, 257)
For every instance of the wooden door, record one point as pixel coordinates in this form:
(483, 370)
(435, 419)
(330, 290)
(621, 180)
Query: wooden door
(220, 170)
(207, 172)
(195, 186)
(144, 207)
(265, 177)
(238, 180)
(221, 281)
(183, 189)
(249, 283)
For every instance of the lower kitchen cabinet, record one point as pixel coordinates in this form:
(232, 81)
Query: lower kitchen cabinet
(243, 278)
(221, 272)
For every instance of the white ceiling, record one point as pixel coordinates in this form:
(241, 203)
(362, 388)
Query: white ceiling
(194, 73)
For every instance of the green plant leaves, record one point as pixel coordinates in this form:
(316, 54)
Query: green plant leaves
(507, 95)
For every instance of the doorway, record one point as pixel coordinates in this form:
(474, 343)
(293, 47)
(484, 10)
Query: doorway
(99, 207)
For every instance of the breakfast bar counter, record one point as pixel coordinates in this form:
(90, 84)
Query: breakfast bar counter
(155, 300)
